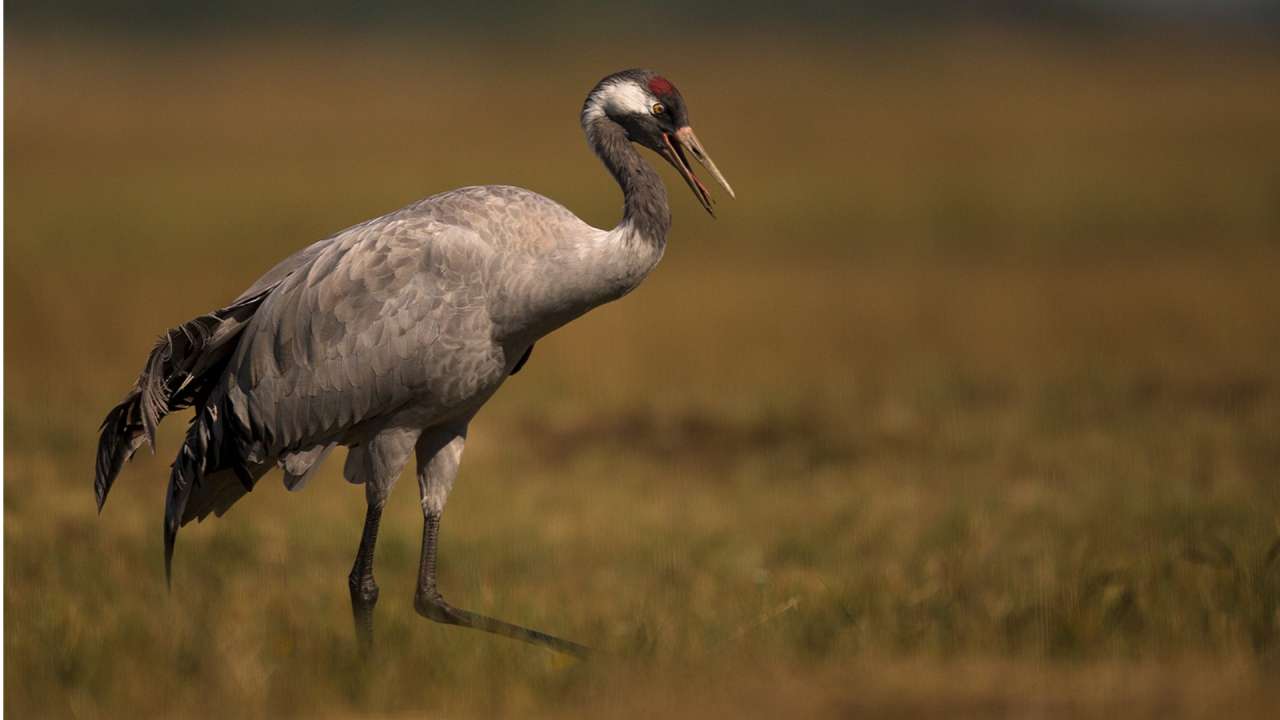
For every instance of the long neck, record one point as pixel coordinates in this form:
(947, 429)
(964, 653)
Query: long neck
(586, 267)
(646, 215)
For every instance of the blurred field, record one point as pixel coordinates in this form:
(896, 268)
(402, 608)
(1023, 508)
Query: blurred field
(969, 406)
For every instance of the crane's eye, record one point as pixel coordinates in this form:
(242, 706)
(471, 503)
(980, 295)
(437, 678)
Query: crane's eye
(659, 108)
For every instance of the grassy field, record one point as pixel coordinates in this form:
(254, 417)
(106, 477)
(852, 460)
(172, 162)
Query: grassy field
(969, 406)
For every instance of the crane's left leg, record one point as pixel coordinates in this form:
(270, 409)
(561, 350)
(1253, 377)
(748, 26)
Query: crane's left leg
(439, 454)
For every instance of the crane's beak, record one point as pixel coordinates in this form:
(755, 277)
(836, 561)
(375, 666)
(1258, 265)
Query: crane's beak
(675, 153)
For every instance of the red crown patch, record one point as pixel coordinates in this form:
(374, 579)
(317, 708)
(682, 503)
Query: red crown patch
(659, 85)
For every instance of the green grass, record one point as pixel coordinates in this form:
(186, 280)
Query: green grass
(969, 406)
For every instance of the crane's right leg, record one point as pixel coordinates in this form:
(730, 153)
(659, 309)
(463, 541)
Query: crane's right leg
(377, 464)
(364, 591)
(439, 453)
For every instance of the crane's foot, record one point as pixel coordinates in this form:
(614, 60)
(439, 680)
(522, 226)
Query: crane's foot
(432, 606)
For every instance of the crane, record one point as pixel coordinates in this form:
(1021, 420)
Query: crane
(388, 337)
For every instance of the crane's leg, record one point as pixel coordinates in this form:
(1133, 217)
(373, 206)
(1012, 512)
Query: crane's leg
(377, 464)
(364, 591)
(439, 454)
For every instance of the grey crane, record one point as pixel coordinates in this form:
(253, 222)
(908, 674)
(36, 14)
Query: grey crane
(389, 336)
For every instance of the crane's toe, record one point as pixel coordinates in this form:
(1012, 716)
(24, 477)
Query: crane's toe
(432, 606)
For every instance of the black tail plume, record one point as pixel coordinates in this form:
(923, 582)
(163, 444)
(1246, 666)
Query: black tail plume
(187, 472)
(181, 371)
(120, 435)
(211, 446)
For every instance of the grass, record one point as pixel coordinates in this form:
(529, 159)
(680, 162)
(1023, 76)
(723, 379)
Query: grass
(969, 406)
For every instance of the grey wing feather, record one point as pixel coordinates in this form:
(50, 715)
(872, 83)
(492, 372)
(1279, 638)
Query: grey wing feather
(383, 315)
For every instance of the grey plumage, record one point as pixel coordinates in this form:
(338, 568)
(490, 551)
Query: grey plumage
(388, 337)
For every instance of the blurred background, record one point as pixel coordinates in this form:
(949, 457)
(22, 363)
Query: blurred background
(969, 404)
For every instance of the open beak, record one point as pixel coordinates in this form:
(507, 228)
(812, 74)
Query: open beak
(686, 143)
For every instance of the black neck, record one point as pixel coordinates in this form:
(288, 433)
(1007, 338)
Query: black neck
(645, 197)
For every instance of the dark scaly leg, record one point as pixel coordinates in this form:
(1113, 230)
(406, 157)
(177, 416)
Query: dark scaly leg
(431, 605)
(439, 454)
(364, 591)
(375, 464)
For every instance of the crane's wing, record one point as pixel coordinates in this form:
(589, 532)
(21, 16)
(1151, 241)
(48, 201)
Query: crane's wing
(388, 313)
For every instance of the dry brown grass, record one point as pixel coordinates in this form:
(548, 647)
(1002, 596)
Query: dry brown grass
(981, 371)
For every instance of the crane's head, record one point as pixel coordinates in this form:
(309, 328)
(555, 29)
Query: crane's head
(653, 114)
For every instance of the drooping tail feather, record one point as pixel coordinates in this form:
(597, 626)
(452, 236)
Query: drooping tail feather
(211, 462)
(187, 472)
(120, 435)
(181, 371)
